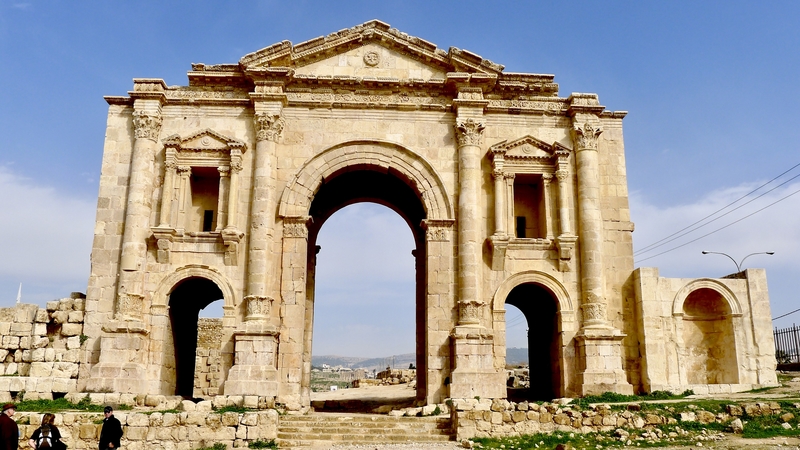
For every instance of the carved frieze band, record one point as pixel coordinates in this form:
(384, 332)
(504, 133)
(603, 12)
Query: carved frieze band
(586, 135)
(146, 125)
(437, 230)
(295, 227)
(469, 132)
(268, 126)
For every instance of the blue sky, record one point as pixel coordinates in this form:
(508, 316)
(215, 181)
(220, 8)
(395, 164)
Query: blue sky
(711, 89)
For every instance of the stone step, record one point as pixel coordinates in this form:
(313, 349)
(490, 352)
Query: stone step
(330, 428)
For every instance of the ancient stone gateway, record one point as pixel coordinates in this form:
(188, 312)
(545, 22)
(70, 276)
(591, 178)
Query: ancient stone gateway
(216, 191)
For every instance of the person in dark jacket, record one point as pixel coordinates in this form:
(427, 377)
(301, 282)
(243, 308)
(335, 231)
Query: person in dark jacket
(111, 432)
(9, 431)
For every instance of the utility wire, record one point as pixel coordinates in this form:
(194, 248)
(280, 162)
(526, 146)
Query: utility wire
(720, 228)
(787, 314)
(662, 242)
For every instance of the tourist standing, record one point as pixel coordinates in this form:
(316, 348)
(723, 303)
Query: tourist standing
(9, 431)
(111, 432)
(47, 435)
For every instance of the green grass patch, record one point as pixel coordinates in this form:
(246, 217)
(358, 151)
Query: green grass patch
(62, 404)
(217, 446)
(260, 444)
(236, 409)
(768, 426)
(613, 397)
(549, 441)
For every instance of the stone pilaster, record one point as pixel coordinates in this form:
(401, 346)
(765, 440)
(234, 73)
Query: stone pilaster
(254, 370)
(599, 344)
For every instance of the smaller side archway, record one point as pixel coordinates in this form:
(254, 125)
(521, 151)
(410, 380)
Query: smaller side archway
(547, 308)
(706, 310)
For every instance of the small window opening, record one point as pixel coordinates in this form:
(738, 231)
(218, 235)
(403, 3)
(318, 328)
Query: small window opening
(521, 226)
(529, 206)
(208, 220)
(205, 199)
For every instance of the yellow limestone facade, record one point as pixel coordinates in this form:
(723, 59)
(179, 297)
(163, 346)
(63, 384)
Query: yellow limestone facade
(514, 194)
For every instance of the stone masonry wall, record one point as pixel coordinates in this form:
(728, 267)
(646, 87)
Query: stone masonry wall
(40, 348)
(159, 430)
(208, 362)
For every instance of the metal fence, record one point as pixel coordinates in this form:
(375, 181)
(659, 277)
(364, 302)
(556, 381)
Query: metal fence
(787, 344)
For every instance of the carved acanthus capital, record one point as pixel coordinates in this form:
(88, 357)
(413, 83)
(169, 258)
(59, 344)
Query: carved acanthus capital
(295, 227)
(268, 126)
(498, 174)
(562, 175)
(594, 313)
(224, 171)
(185, 170)
(258, 307)
(236, 166)
(586, 135)
(470, 312)
(469, 132)
(146, 125)
(171, 164)
(547, 178)
(130, 306)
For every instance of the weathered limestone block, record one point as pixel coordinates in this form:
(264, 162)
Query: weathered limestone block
(75, 317)
(41, 319)
(133, 433)
(138, 420)
(60, 317)
(71, 329)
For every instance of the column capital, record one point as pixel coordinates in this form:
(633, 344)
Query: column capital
(146, 125)
(586, 135)
(437, 229)
(268, 126)
(469, 131)
(295, 226)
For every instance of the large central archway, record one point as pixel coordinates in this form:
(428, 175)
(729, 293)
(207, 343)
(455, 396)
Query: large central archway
(400, 179)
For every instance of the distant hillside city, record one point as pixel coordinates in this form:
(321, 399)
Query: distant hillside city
(514, 356)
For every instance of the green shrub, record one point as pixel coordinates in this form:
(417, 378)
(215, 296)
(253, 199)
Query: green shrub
(259, 444)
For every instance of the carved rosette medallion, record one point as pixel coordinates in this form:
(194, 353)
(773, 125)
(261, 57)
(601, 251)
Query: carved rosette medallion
(470, 312)
(586, 135)
(268, 126)
(295, 227)
(130, 306)
(594, 313)
(258, 307)
(146, 125)
(372, 58)
(437, 230)
(469, 132)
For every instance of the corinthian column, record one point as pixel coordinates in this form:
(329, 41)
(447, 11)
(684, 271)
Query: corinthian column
(590, 222)
(147, 126)
(469, 133)
(268, 128)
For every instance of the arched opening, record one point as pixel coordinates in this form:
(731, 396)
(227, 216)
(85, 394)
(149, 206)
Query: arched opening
(517, 368)
(539, 308)
(708, 339)
(186, 300)
(401, 302)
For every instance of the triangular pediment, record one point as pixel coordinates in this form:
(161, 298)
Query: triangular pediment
(372, 49)
(205, 140)
(528, 147)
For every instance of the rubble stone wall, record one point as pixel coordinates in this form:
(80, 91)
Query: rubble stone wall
(208, 361)
(40, 348)
(160, 430)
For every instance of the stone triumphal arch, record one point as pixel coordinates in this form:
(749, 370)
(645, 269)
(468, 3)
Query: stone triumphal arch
(216, 191)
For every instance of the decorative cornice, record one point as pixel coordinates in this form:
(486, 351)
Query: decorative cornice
(146, 125)
(295, 226)
(437, 230)
(469, 132)
(268, 126)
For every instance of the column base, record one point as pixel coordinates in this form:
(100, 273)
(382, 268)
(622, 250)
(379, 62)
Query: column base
(600, 361)
(254, 371)
(120, 368)
(474, 374)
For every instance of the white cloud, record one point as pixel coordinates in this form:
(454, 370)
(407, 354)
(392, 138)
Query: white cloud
(776, 228)
(48, 240)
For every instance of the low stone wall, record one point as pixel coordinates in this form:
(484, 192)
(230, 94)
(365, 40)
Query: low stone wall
(40, 348)
(159, 430)
(497, 418)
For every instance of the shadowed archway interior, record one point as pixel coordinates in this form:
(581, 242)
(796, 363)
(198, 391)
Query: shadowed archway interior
(185, 302)
(539, 307)
(364, 184)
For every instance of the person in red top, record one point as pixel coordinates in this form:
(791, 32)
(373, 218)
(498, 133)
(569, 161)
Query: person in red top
(9, 431)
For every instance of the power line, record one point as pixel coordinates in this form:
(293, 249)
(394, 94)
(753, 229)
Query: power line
(720, 228)
(692, 227)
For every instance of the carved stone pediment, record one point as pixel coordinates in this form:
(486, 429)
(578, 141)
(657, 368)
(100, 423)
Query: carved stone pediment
(369, 45)
(205, 140)
(528, 148)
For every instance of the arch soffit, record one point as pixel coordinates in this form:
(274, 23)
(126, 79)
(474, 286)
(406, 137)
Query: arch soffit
(165, 287)
(299, 192)
(706, 283)
(532, 276)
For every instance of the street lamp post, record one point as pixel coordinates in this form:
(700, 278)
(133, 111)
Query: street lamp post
(739, 264)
